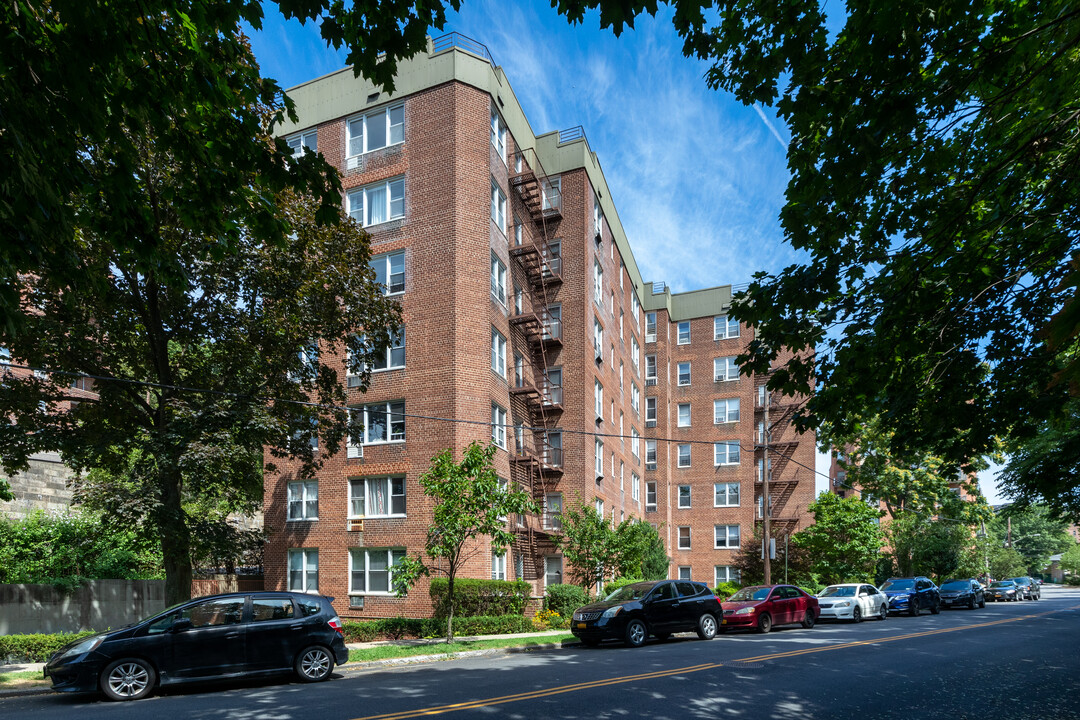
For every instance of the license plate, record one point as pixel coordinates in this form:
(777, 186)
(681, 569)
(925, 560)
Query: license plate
(581, 625)
(723, 622)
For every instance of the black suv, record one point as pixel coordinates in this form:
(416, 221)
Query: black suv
(256, 633)
(659, 608)
(1028, 588)
(912, 594)
(967, 593)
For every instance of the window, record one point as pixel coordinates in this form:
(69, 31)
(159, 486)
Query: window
(650, 454)
(371, 570)
(553, 386)
(598, 283)
(498, 353)
(622, 318)
(635, 353)
(394, 355)
(519, 232)
(622, 473)
(684, 333)
(650, 497)
(304, 570)
(684, 415)
(600, 508)
(375, 130)
(377, 497)
(597, 215)
(598, 393)
(498, 135)
(634, 437)
(519, 300)
(684, 496)
(378, 203)
(650, 370)
(498, 426)
(383, 422)
(725, 573)
(264, 609)
(552, 570)
(650, 410)
(303, 500)
(621, 369)
(635, 487)
(684, 537)
(599, 458)
(303, 142)
(551, 194)
(684, 572)
(553, 322)
(727, 536)
(725, 494)
(553, 451)
(498, 206)
(519, 370)
(684, 455)
(635, 399)
(498, 565)
(553, 511)
(724, 368)
(634, 306)
(622, 436)
(726, 453)
(498, 279)
(726, 410)
(650, 327)
(390, 271)
(598, 339)
(725, 327)
(684, 373)
(761, 466)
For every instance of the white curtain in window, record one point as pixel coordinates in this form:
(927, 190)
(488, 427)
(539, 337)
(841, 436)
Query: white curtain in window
(376, 205)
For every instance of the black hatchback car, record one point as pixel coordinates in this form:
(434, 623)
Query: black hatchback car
(659, 608)
(220, 636)
(967, 593)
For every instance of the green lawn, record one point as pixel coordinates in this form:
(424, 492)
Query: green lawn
(29, 678)
(386, 652)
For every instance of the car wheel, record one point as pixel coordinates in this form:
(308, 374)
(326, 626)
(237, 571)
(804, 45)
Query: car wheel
(935, 608)
(636, 633)
(913, 606)
(764, 623)
(971, 603)
(314, 664)
(884, 612)
(706, 626)
(856, 615)
(128, 679)
(808, 619)
(982, 603)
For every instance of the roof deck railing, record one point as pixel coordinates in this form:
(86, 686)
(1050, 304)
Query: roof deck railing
(456, 40)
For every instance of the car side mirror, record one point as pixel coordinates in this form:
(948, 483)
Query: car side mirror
(181, 625)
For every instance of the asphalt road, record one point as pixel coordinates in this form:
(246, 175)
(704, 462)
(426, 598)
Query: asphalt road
(1009, 660)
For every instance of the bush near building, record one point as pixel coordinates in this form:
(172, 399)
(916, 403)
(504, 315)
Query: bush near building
(565, 598)
(480, 597)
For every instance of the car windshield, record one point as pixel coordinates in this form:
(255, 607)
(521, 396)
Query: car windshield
(899, 585)
(630, 592)
(956, 585)
(1021, 581)
(751, 593)
(1003, 584)
(838, 591)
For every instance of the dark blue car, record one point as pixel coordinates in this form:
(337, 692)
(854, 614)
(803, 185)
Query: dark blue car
(912, 595)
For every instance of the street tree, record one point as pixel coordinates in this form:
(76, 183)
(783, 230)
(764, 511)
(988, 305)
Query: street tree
(1033, 533)
(1070, 559)
(1005, 562)
(934, 546)
(471, 503)
(792, 562)
(1042, 468)
(597, 549)
(845, 540)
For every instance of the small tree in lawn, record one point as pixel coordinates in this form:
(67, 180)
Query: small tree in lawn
(471, 502)
(590, 544)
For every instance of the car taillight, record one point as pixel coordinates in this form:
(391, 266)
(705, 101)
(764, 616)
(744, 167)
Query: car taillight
(335, 623)
(718, 600)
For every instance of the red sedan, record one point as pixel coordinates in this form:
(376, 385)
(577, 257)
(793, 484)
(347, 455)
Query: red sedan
(763, 606)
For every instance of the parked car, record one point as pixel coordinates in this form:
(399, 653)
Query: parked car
(1004, 590)
(765, 606)
(852, 601)
(230, 635)
(658, 608)
(912, 594)
(967, 593)
(1028, 588)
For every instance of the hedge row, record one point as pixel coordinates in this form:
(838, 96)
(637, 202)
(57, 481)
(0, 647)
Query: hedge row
(34, 648)
(480, 598)
(399, 627)
(565, 599)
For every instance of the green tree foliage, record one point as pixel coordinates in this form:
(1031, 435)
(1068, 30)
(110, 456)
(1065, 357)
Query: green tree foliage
(597, 549)
(1033, 533)
(844, 541)
(67, 549)
(655, 563)
(1043, 468)
(933, 546)
(793, 561)
(1070, 559)
(471, 503)
(1005, 562)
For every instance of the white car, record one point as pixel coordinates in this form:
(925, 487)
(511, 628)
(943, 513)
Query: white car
(852, 601)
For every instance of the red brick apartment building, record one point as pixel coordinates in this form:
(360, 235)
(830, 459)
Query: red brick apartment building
(526, 322)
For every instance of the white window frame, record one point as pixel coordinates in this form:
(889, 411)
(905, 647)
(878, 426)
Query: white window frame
(683, 415)
(726, 494)
(679, 455)
(498, 206)
(369, 485)
(598, 283)
(725, 411)
(634, 305)
(635, 399)
(650, 373)
(388, 261)
(306, 555)
(681, 536)
(548, 562)
(389, 127)
(683, 377)
(635, 444)
(650, 320)
(393, 355)
(362, 193)
(393, 556)
(598, 339)
(727, 535)
(725, 369)
(684, 500)
(498, 352)
(723, 453)
(498, 279)
(635, 487)
(498, 565)
(650, 506)
(598, 399)
(388, 409)
(650, 451)
(724, 574)
(498, 425)
(635, 355)
(498, 133)
(303, 141)
(724, 328)
(599, 457)
(650, 409)
(685, 324)
(308, 491)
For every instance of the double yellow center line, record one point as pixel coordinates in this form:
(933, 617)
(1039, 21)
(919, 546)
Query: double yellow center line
(608, 682)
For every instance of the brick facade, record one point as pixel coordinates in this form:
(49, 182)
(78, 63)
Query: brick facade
(549, 318)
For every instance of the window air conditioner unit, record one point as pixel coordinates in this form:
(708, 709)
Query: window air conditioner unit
(650, 466)
(355, 451)
(352, 163)
(355, 526)
(650, 423)
(354, 381)
(357, 602)
(650, 382)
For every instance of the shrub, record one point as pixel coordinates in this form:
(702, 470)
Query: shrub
(476, 598)
(35, 648)
(620, 583)
(399, 627)
(725, 590)
(565, 599)
(1072, 580)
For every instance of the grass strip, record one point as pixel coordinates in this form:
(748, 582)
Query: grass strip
(23, 679)
(388, 652)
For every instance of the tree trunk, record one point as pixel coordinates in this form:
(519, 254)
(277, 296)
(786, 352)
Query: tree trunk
(175, 539)
(450, 615)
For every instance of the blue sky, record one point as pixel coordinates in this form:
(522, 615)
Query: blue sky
(697, 178)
